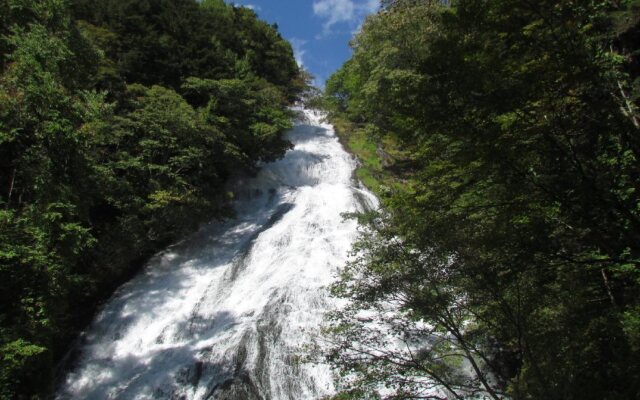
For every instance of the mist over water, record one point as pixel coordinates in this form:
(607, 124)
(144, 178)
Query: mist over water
(227, 313)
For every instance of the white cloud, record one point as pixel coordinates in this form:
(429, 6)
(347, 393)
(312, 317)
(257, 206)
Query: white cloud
(343, 11)
(252, 7)
(249, 6)
(334, 11)
(298, 50)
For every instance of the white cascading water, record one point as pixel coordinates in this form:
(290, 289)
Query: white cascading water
(227, 313)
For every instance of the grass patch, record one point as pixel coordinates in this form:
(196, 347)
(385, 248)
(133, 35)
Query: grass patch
(367, 178)
(371, 171)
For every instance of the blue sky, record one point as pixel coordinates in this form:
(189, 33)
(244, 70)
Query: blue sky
(319, 30)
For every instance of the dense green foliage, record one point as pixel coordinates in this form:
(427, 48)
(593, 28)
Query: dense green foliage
(120, 123)
(513, 240)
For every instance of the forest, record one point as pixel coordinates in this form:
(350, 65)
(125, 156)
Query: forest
(503, 138)
(121, 123)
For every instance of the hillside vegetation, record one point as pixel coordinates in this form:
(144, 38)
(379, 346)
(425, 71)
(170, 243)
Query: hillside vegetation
(503, 137)
(120, 123)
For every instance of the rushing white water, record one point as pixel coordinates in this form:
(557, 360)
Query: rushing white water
(227, 313)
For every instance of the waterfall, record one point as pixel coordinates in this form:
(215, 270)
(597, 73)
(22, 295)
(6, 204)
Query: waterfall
(229, 312)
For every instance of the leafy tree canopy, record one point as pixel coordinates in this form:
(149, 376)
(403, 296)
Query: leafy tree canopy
(120, 124)
(511, 247)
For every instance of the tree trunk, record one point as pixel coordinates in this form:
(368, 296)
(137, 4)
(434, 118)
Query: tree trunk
(11, 185)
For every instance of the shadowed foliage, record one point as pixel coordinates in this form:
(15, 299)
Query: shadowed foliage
(510, 242)
(120, 123)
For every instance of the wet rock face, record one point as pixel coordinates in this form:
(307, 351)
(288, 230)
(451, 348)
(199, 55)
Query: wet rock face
(228, 312)
(238, 388)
